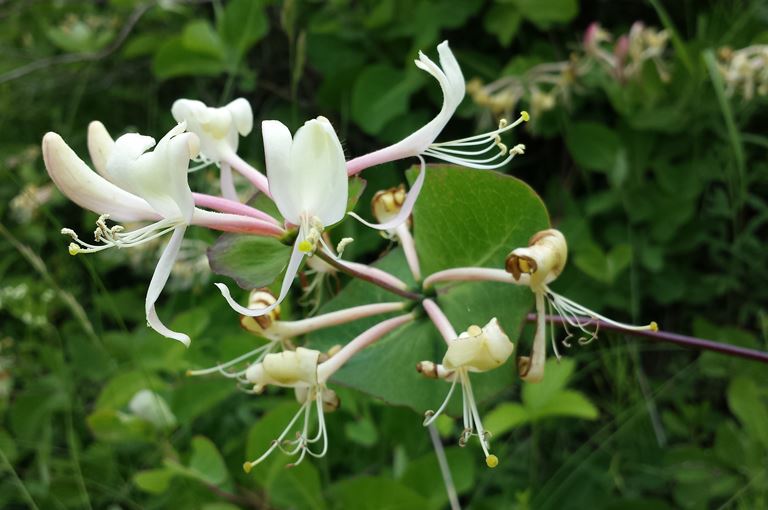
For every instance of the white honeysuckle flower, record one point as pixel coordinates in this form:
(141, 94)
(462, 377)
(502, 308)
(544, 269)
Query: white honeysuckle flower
(296, 369)
(475, 350)
(153, 408)
(139, 186)
(308, 182)
(219, 130)
(535, 266)
(471, 152)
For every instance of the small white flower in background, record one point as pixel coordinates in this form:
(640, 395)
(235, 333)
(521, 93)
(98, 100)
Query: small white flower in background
(745, 70)
(153, 408)
(537, 265)
(219, 130)
(296, 369)
(471, 152)
(475, 350)
(308, 181)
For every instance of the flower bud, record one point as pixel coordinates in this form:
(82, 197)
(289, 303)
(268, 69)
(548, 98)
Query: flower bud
(290, 369)
(260, 298)
(479, 349)
(543, 259)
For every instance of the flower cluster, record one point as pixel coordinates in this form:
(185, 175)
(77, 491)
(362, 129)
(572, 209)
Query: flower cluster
(745, 71)
(136, 180)
(545, 85)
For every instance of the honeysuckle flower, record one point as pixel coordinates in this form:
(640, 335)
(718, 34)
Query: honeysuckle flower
(101, 144)
(745, 70)
(308, 371)
(308, 180)
(296, 369)
(142, 186)
(470, 152)
(537, 265)
(219, 130)
(475, 350)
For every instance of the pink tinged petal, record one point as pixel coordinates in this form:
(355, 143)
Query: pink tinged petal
(159, 176)
(235, 223)
(451, 81)
(376, 273)
(100, 146)
(405, 210)
(156, 285)
(229, 206)
(87, 188)
(290, 273)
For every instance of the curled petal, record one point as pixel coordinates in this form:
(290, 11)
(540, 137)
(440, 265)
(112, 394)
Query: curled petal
(87, 188)
(242, 115)
(406, 209)
(156, 285)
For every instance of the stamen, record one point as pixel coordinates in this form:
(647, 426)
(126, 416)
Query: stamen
(430, 416)
(453, 151)
(263, 351)
(116, 236)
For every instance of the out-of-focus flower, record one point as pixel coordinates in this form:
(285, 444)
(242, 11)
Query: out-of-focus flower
(745, 71)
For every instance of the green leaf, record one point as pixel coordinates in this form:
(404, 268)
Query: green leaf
(376, 493)
(252, 261)
(604, 267)
(749, 406)
(242, 24)
(566, 403)
(174, 59)
(503, 21)
(361, 431)
(544, 13)
(498, 213)
(505, 417)
(593, 146)
(200, 37)
(207, 462)
(154, 481)
(120, 389)
(556, 376)
(194, 397)
(380, 94)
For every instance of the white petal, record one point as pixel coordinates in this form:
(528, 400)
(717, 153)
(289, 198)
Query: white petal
(451, 82)
(87, 188)
(100, 146)
(317, 162)
(160, 176)
(290, 274)
(159, 278)
(407, 207)
(282, 181)
(242, 115)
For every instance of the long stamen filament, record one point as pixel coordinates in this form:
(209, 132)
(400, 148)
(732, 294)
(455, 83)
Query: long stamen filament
(431, 416)
(264, 349)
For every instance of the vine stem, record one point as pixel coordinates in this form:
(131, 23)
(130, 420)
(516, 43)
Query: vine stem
(691, 342)
(332, 261)
(445, 469)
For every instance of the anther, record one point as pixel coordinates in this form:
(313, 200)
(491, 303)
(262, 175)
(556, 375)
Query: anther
(492, 461)
(525, 116)
(73, 249)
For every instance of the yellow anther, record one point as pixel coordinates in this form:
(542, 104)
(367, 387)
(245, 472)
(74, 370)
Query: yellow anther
(474, 330)
(492, 461)
(526, 118)
(525, 267)
(305, 246)
(247, 466)
(73, 249)
(654, 326)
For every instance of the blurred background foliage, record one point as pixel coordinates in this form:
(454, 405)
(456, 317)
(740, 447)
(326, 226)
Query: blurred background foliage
(657, 176)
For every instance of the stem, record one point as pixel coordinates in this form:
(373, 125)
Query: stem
(674, 338)
(19, 482)
(332, 261)
(409, 249)
(441, 322)
(445, 469)
(326, 369)
(303, 326)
